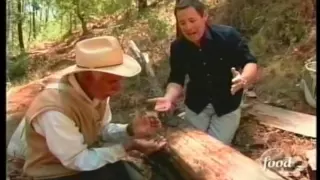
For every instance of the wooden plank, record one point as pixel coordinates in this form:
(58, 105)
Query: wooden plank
(295, 122)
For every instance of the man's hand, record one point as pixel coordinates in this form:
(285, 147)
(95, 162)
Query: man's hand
(148, 146)
(163, 104)
(238, 82)
(145, 126)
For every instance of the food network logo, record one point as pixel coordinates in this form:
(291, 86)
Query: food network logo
(275, 159)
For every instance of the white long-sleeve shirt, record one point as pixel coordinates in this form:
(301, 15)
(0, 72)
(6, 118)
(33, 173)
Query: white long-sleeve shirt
(66, 142)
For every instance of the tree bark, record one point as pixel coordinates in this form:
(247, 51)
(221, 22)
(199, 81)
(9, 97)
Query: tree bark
(61, 23)
(178, 32)
(19, 26)
(142, 5)
(70, 24)
(34, 21)
(41, 16)
(80, 16)
(201, 157)
(47, 15)
(75, 23)
(8, 19)
(30, 28)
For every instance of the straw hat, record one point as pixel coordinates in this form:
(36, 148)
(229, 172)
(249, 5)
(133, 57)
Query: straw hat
(103, 54)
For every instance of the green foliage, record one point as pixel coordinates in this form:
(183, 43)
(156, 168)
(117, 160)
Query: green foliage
(112, 6)
(17, 68)
(51, 32)
(158, 28)
(271, 25)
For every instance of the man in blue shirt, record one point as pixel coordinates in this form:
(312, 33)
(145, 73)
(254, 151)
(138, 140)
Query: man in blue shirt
(219, 65)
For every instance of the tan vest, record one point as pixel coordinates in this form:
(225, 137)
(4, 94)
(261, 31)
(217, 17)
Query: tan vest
(40, 162)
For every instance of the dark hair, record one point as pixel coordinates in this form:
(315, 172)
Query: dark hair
(196, 4)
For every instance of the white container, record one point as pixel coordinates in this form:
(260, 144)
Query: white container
(309, 83)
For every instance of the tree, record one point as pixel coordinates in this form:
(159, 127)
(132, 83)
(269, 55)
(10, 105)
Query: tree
(80, 15)
(8, 23)
(142, 5)
(178, 32)
(19, 26)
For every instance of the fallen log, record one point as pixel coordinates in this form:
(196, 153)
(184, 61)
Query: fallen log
(201, 157)
(299, 123)
(19, 99)
(198, 156)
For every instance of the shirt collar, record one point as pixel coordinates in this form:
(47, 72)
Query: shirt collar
(74, 83)
(207, 33)
(207, 36)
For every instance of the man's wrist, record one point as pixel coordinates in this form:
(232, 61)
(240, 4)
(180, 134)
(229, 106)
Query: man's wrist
(130, 130)
(128, 146)
(173, 91)
(171, 98)
(244, 81)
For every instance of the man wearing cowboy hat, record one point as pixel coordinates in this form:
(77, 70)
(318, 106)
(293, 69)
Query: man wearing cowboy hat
(66, 120)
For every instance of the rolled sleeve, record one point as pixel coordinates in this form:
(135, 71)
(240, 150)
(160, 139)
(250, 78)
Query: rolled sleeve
(177, 70)
(242, 51)
(115, 132)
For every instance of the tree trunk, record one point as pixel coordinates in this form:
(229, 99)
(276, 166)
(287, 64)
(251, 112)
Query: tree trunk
(80, 16)
(178, 32)
(34, 21)
(8, 15)
(70, 23)
(41, 15)
(75, 23)
(12, 34)
(30, 28)
(12, 27)
(142, 5)
(19, 26)
(23, 5)
(61, 24)
(47, 16)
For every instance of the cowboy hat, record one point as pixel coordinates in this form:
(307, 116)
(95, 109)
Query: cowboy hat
(103, 54)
